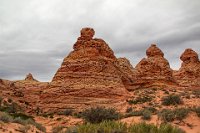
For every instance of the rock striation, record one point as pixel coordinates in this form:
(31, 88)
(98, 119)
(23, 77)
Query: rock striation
(189, 73)
(154, 69)
(88, 72)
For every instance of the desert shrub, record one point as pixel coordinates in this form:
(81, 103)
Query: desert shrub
(181, 113)
(118, 127)
(66, 112)
(57, 129)
(10, 108)
(146, 114)
(151, 109)
(128, 110)
(140, 100)
(22, 116)
(171, 100)
(5, 117)
(99, 114)
(134, 113)
(167, 115)
(10, 100)
(170, 115)
(197, 110)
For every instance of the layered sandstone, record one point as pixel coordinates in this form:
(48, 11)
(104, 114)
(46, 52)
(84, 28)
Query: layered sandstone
(189, 73)
(88, 76)
(127, 72)
(153, 70)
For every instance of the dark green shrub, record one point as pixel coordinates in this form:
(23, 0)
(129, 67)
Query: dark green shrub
(170, 115)
(128, 110)
(171, 100)
(181, 113)
(167, 115)
(146, 114)
(140, 100)
(21, 115)
(10, 100)
(66, 112)
(99, 114)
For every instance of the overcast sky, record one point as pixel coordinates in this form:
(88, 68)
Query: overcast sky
(35, 35)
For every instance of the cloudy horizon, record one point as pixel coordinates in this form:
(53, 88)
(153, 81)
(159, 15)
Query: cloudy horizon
(35, 35)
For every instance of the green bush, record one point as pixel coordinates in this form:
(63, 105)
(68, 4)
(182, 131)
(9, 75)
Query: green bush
(99, 114)
(66, 112)
(171, 100)
(167, 115)
(118, 127)
(181, 113)
(170, 115)
(146, 115)
(140, 100)
(128, 110)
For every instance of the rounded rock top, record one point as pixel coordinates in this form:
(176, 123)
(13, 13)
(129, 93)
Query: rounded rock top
(87, 32)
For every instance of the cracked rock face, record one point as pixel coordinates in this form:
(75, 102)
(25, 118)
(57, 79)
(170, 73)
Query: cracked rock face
(189, 73)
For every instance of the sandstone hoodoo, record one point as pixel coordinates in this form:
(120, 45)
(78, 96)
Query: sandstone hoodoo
(88, 75)
(189, 73)
(153, 70)
(90, 69)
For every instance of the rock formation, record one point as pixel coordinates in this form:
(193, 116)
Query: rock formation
(154, 69)
(127, 72)
(29, 77)
(88, 72)
(189, 73)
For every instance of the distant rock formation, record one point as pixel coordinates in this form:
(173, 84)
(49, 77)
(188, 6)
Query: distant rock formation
(153, 70)
(189, 73)
(29, 77)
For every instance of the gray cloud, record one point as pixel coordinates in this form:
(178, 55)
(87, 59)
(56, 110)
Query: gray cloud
(36, 35)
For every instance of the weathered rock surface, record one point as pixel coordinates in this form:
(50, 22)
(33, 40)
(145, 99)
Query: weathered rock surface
(153, 70)
(89, 72)
(127, 72)
(189, 73)
(29, 77)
